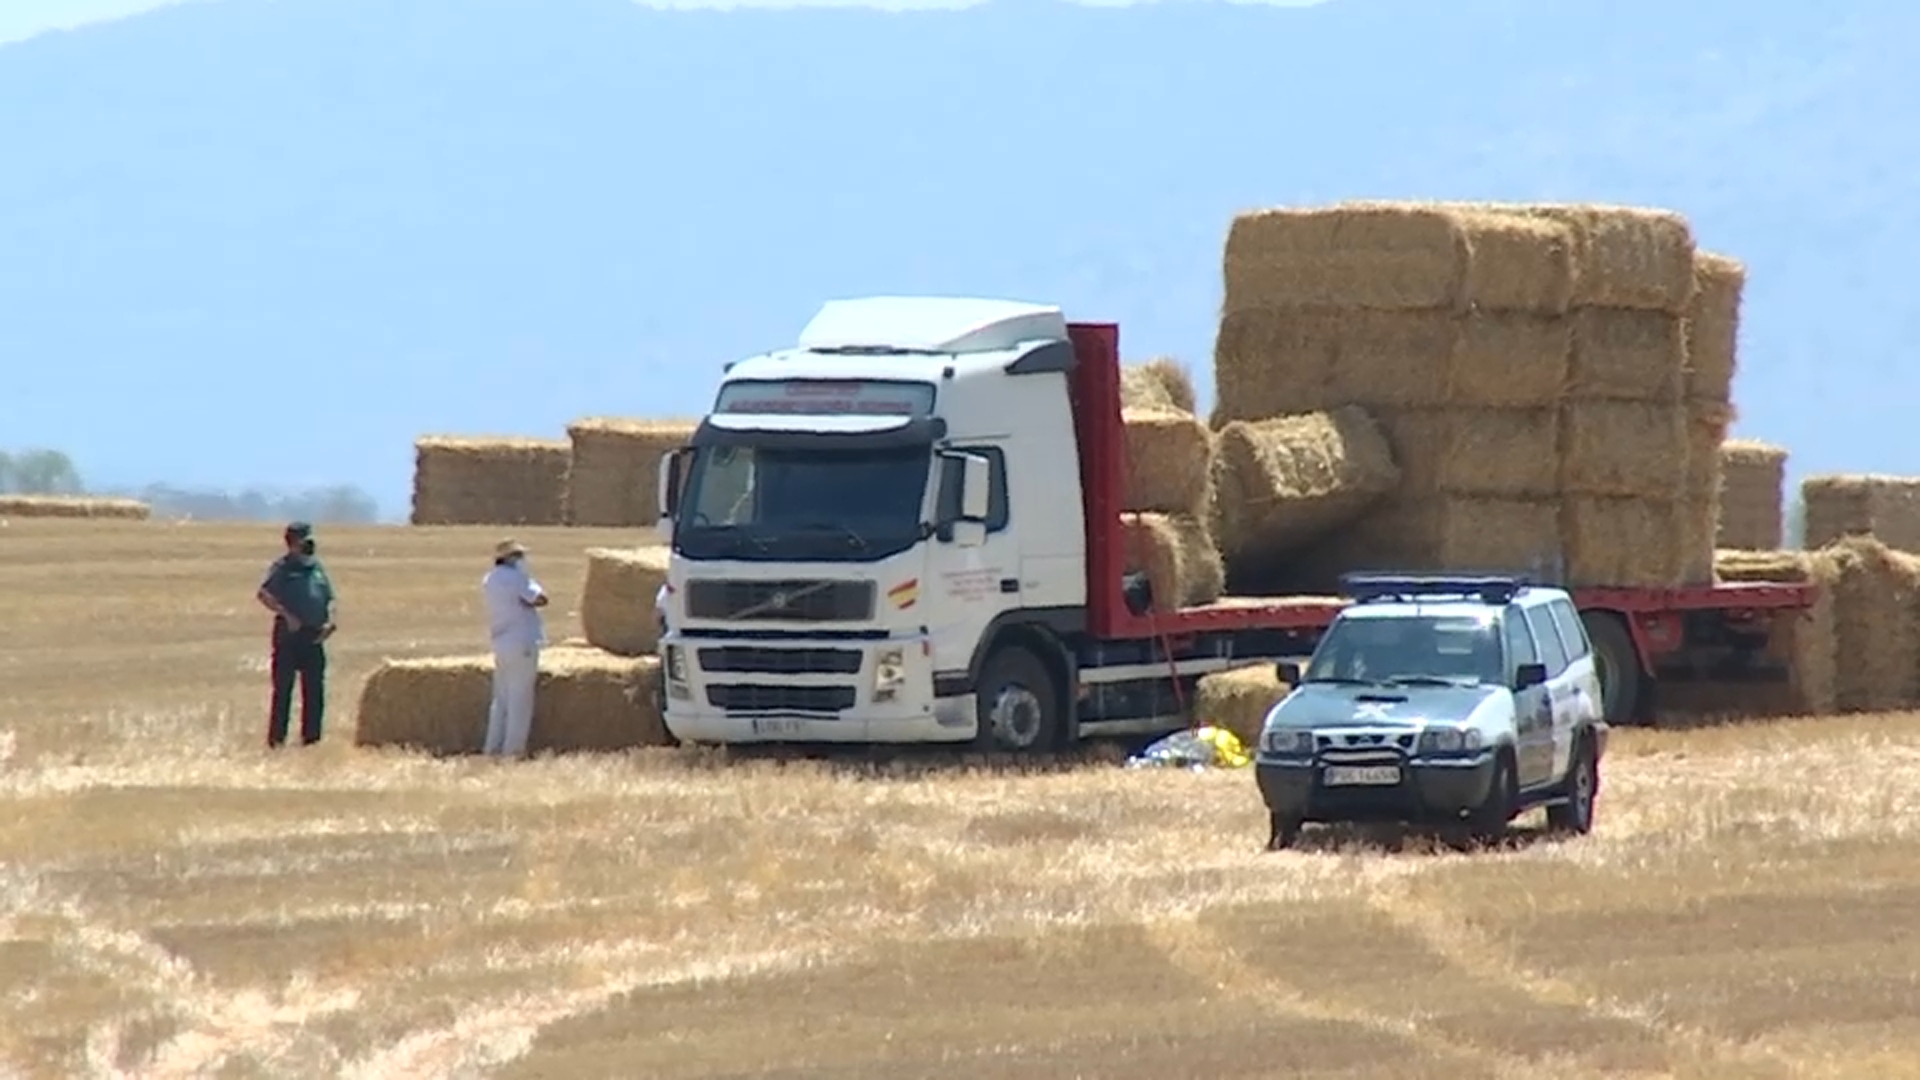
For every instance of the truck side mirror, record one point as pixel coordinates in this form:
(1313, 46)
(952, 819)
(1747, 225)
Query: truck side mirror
(668, 490)
(1528, 676)
(1288, 672)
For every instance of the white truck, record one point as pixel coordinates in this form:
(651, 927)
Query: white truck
(906, 528)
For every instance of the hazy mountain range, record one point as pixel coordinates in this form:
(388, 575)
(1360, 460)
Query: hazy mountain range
(271, 241)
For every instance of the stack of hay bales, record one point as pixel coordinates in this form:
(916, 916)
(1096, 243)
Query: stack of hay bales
(1527, 363)
(616, 602)
(489, 481)
(1752, 476)
(73, 506)
(1712, 344)
(1885, 507)
(586, 699)
(1165, 532)
(614, 478)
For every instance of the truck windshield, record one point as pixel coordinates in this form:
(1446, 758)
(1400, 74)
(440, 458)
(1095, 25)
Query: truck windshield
(1418, 648)
(745, 502)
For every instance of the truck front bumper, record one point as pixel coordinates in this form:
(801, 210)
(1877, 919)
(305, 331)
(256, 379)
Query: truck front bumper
(1429, 789)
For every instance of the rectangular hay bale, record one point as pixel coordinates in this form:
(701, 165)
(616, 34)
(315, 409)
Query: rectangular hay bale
(1178, 556)
(1461, 451)
(1281, 484)
(1840, 505)
(1159, 383)
(73, 506)
(507, 480)
(1625, 256)
(586, 699)
(1627, 355)
(1877, 620)
(1169, 462)
(1465, 533)
(1624, 449)
(614, 481)
(1806, 642)
(616, 599)
(1238, 700)
(1713, 326)
(1397, 256)
(1620, 542)
(1752, 484)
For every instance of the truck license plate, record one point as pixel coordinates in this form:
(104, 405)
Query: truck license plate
(776, 725)
(1362, 774)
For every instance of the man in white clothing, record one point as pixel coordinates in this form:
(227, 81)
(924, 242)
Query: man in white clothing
(514, 600)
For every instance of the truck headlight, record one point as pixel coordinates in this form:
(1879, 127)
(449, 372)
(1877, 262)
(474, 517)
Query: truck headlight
(1449, 740)
(889, 674)
(676, 664)
(1292, 742)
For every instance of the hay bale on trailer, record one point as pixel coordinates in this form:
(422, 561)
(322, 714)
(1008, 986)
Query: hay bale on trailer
(1752, 478)
(1397, 256)
(1238, 700)
(1713, 326)
(1624, 256)
(460, 480)
(1627, 354)
(615, 477)
(1886, 507)
(1177, 555)
(73, 506)
(1283, 483)
(1488, 451)
(1169, 462)
(1806, 642)
(1160, 383)
(586, 699)
(616, 600)
(1629, 449)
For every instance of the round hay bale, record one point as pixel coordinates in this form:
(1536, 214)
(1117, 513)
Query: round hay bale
(1169, 462)
(614, 480)
(586, 699)
(1160, 383)
(461, 480)
(616, 600)
(1238, 700)
(1283, 483)
(73, 506)
(1178, 556)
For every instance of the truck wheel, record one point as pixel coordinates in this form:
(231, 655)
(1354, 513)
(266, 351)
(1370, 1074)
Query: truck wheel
(1017, 703)
(1283, 832)
(1617, 663)
(1583, 784)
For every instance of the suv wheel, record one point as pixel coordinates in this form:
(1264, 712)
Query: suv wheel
(1582, 785)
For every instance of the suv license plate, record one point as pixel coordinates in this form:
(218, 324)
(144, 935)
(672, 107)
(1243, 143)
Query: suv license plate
(1343, 775)
(776, 725)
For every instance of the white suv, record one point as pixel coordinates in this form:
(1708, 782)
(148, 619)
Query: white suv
(1443, 699)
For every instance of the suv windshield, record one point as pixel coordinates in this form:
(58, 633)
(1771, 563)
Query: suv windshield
(1417, 648)
(744, 502)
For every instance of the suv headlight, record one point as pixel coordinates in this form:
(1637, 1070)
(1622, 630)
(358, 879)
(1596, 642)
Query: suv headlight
(889, 673)
(1449, 740)
(1292, 742)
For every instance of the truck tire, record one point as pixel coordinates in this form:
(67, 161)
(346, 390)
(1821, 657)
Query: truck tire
(1017, 703)
(1582, 785)
(1617, 663)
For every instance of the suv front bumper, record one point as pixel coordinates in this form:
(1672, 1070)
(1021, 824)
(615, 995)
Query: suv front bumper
(1429, 789)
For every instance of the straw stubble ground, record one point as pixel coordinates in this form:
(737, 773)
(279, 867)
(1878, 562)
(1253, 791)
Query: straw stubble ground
(175, 902)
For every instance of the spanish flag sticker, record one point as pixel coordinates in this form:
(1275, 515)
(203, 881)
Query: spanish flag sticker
(904, 594)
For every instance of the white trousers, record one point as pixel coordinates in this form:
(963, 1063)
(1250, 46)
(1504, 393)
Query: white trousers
(515, 672)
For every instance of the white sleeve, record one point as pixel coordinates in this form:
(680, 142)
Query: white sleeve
(530, 590)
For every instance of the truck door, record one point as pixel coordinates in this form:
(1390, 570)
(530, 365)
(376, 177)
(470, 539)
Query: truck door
(1533, 733)
(972, 585)
(1553, 694)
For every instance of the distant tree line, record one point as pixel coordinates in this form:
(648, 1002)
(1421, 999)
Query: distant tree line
(51, 472)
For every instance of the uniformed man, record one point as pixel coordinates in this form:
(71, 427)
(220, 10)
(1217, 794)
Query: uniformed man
(300, 595)
(514, 600)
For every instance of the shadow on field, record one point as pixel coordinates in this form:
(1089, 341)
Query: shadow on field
(1390, 839)
(907, 762)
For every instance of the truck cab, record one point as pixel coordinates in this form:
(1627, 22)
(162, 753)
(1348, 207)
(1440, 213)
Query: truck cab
(1434, 698)
(860, 514)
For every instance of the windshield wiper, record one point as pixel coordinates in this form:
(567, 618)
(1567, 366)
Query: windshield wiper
(1336, 680)
(1423, 680)
(853, 538)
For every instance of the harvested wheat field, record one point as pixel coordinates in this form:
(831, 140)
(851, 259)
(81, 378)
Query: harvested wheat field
(176, 902)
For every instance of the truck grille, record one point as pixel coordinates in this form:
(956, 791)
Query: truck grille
(748, 658)
(781, 601)
(756, 697)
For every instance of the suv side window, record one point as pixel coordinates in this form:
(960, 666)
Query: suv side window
(1520, 648)
(997, 511)
(1573, 633)
(1552, 653)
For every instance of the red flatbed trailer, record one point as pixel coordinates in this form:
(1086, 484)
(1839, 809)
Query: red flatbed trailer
(1720, 630)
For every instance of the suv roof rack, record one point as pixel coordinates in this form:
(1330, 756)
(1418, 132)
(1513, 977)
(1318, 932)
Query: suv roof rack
(1371, 586)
